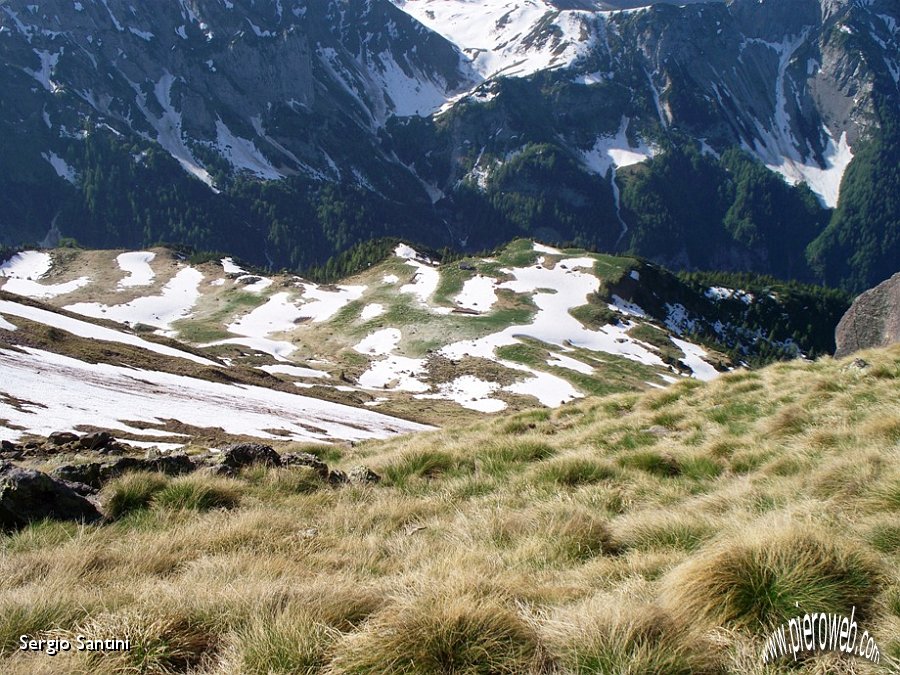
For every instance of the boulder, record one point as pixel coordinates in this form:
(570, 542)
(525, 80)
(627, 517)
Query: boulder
(244, 454)
(95, 474)
(62, 437)
(338, 477)
(873, 320)
(27, 496)
(306, 459)
(96, 441)
(363, 474)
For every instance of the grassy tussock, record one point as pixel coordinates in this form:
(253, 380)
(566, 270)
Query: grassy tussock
(762, 576)
(655, 533)
(434, 635)
(197, 493)
(599, 636)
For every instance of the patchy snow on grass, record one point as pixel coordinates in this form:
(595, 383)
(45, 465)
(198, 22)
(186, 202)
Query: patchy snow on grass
(230, 267)
(424, 283)
(390, 279)
(33, 289)
(91, 331)
(693, 359)
(477, 294)
(372, 311)
(137, 268)
(6, 325)
(293, 371)
(177, 301)
(322, 304)
(625, 307)
(71, 393)
(380, 343)
(469, 392)
(563, 361)
(550, 390)
(278, 315)
(555, 291)
(23, 271)
(548, 250)
(253, 284)
(31, 265)
(396, 373)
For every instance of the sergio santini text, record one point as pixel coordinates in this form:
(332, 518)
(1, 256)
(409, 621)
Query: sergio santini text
(82, 644)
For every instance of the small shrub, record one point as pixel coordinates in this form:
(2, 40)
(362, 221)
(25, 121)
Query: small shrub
(131, 492)
(197, 493)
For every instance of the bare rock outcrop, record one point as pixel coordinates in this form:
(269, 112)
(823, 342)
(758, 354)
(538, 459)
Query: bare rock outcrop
(873, 319)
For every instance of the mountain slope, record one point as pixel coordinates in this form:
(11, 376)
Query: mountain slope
(531, 325)
(625, 534)
(285, 133)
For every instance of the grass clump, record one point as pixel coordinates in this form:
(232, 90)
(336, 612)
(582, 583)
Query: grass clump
(654, 463)
(161, 642)
(885, 538)
(197, 493)
(761, 581)
(577, 535)
(633, 641)
(575, 471)
(657, 531)
(425, 464)
(286, 643)
(131, 492)
(460, 635)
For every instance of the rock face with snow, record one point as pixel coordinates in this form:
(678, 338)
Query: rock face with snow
(873, 319)
(432, 105)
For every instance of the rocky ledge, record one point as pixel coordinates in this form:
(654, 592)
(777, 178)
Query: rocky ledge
(72, 491)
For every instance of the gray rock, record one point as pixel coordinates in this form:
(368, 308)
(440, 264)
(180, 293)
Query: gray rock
(306, 459)
(244, 454)
(96, 441)
(27, 496)
(62, 437)
(95, 474)
(873, 320)
(337, 477)
(363, 474)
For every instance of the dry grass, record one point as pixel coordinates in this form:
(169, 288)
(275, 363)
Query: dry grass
(578, 540)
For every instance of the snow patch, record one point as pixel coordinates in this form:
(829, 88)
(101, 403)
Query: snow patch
(94, 332)
(73, 393)
(137, 268)
(176, 302)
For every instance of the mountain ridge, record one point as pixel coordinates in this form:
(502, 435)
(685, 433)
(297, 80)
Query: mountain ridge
(320, 124)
